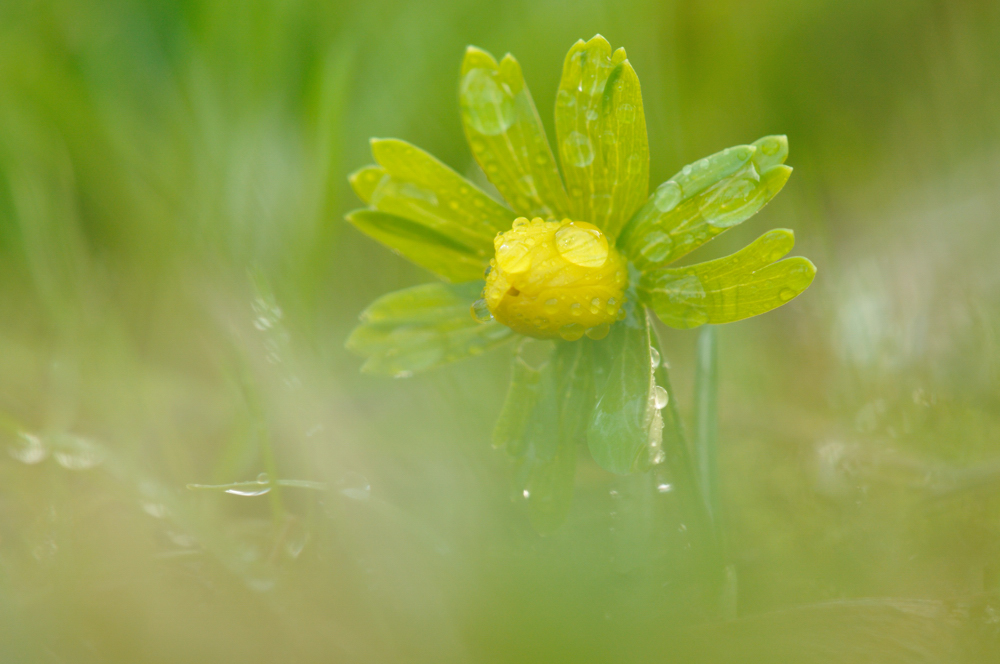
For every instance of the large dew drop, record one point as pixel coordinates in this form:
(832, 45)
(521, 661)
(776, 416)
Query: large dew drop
(582, 244)
(485, 105)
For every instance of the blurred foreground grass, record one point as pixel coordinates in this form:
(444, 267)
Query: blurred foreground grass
(176, 284)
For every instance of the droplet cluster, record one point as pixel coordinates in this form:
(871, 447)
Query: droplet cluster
(554, 279)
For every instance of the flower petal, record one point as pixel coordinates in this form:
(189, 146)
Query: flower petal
(427, 248)
(507, 137)
(750, 282)
(422, 189)
(626, 428)
(541, 425)
(422, 327)
(365, 180)
(703, 200)
(601, 131)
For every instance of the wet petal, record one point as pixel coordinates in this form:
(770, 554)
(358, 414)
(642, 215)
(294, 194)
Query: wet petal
(705, 199)
(750, 282)
(507, 137)
(626, 426)
(601, 131)
(420, 188)
(541, 425)
(423, 327)
(427, 248)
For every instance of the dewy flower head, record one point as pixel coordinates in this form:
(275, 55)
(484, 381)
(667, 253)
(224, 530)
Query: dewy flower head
(578, 253)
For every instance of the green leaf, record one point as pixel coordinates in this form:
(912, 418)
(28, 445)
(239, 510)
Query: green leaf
(422, 327)
(745, 284)
(422, 189)
(626, 428)
(365, 180)
(427, 248)
(705, 199)
(541, 426)
(601, 131)
(507, 137)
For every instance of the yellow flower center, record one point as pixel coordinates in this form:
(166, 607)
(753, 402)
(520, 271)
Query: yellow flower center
(552, 279)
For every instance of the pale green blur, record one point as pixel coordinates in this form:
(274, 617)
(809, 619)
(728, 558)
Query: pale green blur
(177, 283)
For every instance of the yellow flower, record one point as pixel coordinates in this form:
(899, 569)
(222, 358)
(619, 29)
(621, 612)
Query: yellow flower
(552, 279)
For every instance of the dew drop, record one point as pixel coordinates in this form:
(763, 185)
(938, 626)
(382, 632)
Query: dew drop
(485, 105)
(551, 305)
(660, 397)
(575, 309)
(626, 113)
(654, 357)
(595, 305)
(248, 491)
(526, 494)
(355, 486)
(612, 306)
(599, 331)
(664, 487)
(29, 449)
(571, 331)
(481, 311)
(668, 195)
(591, 115)
(770, 147)
(582, 244)
(263, 479)
(578, 150)
(786, 294)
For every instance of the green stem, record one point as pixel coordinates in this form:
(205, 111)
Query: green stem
(706, 427)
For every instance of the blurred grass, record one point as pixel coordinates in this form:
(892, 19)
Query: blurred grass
(177, 283)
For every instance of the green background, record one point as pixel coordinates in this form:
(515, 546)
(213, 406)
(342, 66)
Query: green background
(174, 173)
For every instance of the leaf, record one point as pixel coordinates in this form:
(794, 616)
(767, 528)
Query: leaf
(507, 137)
(705, 199)
(626, 422)
(745, 284)
(541, 426)
(601, 131)
(427, 248)
(422, 189)
(419, 328)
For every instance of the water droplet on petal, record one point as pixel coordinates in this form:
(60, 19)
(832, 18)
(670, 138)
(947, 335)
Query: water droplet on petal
(481, 311)
(599, 331)
(571, 331)
(668, 195)
(486, 107)
(582, 244)
(660, 397)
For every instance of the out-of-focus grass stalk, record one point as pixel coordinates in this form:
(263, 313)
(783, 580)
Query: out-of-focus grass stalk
(706, 409)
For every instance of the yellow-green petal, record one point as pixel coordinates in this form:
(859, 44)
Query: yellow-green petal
(601, 131)
(506, 136)
(750, 282)
(419, 328)
(542, 424)
(703, 200)
(625, 431)
(365, 180)
(450, 260)
(422, 189)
